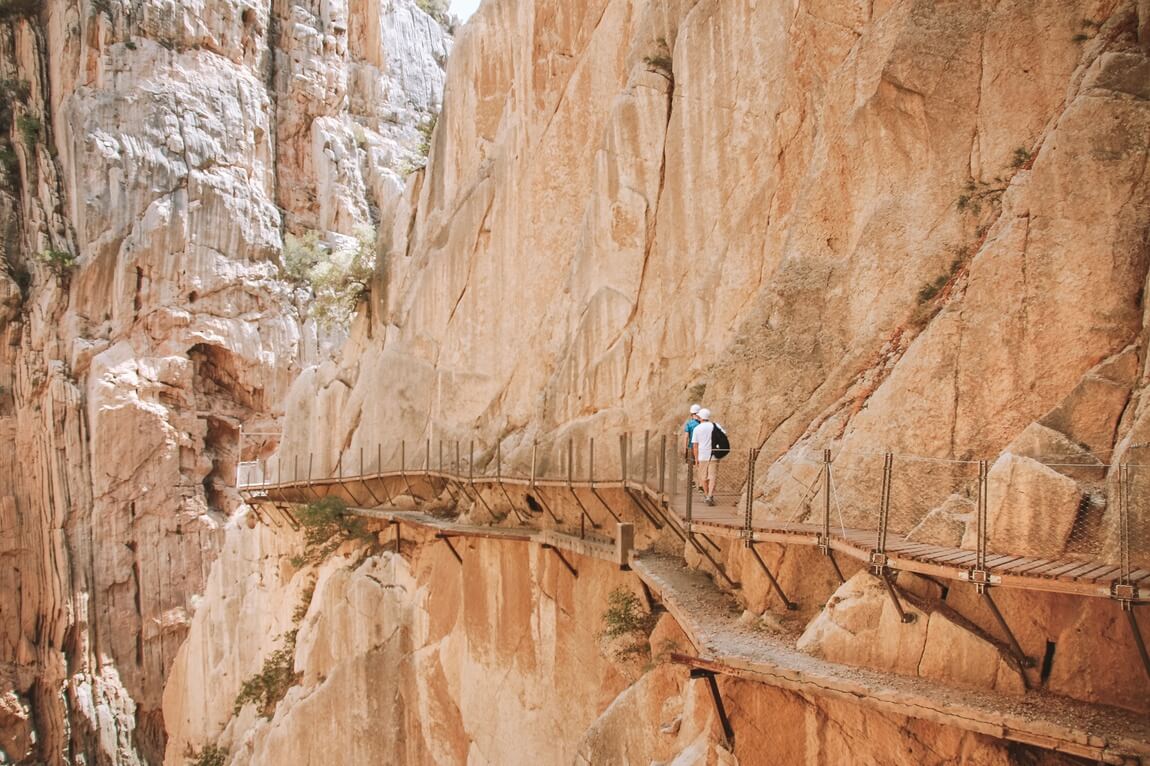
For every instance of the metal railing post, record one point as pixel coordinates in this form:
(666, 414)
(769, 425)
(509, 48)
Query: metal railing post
(591, 464)
(663, 468)
(239, 454)
(878, 555)
(471, 464)
(427, 461)
(295, 470)
(534, 462)
(1124, 522)
(748, 530)
(646, 455)
(825, 543)
(623, 456)
(690, 493)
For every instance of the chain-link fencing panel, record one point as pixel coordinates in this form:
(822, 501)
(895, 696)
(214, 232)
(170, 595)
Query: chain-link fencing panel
(932, 500)
(791, 488)
(857, 487)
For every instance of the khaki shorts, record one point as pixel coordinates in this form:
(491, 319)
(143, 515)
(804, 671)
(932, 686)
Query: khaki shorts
(707, 470)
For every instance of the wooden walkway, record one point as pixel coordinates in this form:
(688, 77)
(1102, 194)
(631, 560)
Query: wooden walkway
(1101, 734)
(1070, 575)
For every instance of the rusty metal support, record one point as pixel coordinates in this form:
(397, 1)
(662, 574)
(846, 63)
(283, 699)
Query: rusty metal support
(379, 472)
(637, 501)
(791, 605)
(1015, 647)
(503, 489)
(403, 472)
(834, 563)
(363, 481)
(713, 685)
(606, 507)
(1128, 607)
(903, 615)
(471, 479)
(292, 520)
(548, 547)
(310, 459)
(539, 498)
(702, 551)
(447, 539)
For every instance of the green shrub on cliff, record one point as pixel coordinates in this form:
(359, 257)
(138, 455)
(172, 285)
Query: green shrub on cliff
(269, 686)
(326, 523)
(338, 276)
(626, 624)
(211, 755)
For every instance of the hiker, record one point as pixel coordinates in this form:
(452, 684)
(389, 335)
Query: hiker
(707, 470)
(688, 427)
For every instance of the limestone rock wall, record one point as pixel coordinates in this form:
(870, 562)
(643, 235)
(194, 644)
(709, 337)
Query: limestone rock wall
(899, 225)
(154, 154)
(407, 659)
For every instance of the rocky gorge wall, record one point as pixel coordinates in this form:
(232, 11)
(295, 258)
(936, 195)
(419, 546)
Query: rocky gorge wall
(905, 226)
(910, 225)
(154, 156)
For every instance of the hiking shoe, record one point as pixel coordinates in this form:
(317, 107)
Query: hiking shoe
(710, 499)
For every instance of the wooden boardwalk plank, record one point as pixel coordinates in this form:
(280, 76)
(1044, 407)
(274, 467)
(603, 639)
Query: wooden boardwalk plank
(1020, 569)
(727, 520)
(1043, 571)
(955, 557)
(1070, 566)
(994, 562)
(1098, 574)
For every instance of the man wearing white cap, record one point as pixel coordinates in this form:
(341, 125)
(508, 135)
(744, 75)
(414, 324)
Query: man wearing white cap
(707, 470)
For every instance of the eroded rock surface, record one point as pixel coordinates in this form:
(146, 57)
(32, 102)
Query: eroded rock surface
(154, 155)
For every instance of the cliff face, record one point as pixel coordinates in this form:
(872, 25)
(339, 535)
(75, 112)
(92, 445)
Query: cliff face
(154, 154)
(900, 225)
(908, 226)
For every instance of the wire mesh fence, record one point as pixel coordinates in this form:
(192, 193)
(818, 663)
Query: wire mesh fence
(1071, 507)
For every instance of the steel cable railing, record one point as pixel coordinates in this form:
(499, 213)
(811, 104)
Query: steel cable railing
(1071, 508)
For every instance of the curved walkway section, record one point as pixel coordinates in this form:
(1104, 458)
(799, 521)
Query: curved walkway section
(724, 646)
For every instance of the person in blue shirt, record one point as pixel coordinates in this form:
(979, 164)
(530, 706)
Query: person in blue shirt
(688, 427)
